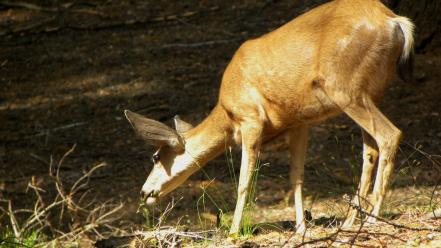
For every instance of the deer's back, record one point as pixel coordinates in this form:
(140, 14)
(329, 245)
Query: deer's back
(347, 43)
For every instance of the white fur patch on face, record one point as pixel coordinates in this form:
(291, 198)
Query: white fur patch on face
(181, 163)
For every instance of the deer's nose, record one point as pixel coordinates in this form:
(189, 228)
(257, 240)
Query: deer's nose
(145, 195)
(150, 198)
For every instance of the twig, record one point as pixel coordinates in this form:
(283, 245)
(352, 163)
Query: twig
(59, 185)
(362, 211)
(35, 7)
(193, 235)
(37, 216)
(358, 232)
(434, 213)
(425, 154)
(39, 202)
(68, 126)
(167, 211)
(198, 44)
(87, 175)
(103, 218)
(26, 6)
(358, 203)
(28, 26)
(332, 237)
(14, 223)
(38, 158)
(93, 224)
(99, 217)
(106, 25)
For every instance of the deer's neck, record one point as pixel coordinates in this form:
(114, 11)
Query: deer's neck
(210, 138)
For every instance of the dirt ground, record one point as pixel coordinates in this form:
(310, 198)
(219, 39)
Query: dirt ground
(67, 74)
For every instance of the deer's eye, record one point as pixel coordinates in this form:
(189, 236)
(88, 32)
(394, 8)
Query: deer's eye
(156, 158)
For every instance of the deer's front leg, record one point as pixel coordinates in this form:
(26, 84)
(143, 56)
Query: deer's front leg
(251, 141)
(298, 146)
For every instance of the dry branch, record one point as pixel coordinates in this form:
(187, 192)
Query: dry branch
(25, 5)
(31, 6)
(101, 25)
(28, 26)
(198, 44)
(173, 231)
(364, 212)
(332, 237)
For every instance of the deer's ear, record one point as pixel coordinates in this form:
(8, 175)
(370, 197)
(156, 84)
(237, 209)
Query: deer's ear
(181, 126)
(154, 132)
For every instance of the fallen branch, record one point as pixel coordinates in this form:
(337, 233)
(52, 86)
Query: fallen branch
(362, 211)
(198, 44)
(27, 26)
(174, 232)
(26, 6)
(104, 25)
(31, 6)
(332, 237)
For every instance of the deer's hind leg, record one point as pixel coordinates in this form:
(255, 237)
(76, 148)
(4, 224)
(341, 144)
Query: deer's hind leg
(387, 137)
(370, 157)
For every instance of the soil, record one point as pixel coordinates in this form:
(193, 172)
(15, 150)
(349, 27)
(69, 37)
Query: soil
(68, 71)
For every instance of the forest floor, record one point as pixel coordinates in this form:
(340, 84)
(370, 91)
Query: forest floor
(67, 72)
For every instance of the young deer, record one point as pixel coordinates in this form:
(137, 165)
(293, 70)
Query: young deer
(335, 58)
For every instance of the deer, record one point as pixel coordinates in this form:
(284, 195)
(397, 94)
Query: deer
(336, 58)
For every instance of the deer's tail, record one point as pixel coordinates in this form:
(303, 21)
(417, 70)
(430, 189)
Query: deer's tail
(405, 62)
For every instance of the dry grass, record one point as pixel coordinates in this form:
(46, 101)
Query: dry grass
(63, 219)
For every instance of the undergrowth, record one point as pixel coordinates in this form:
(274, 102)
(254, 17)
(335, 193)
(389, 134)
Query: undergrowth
(28, 239)
(60, 215)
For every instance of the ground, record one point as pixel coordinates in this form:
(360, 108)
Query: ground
(68, 72)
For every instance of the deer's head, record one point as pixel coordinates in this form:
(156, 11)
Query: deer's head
(172, 165)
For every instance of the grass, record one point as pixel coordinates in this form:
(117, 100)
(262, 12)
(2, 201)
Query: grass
(44, 224)
(221, 205)
(248, 227)
(29, 239)
(150, 219)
